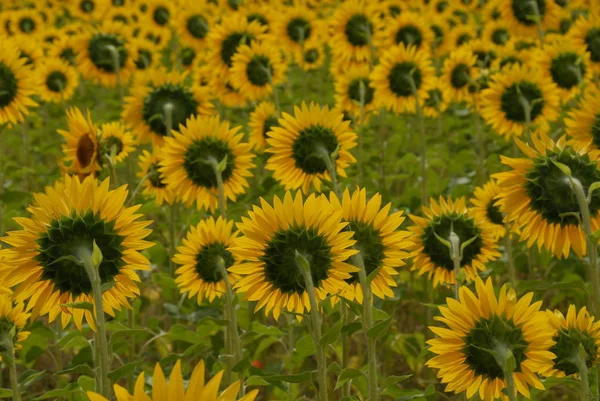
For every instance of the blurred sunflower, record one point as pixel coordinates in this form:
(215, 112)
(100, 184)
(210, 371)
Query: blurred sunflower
(116, 141)
(262, 119)
(222, 90)
(294, 26)
(311, 56)
(433, 258)
(484, 51)
(66, 220)
(64, 48)
(401, 72)
(154, 182)
(583, 122)
(436, 101)
(506, 57)
(193, 22)
(458, 73)
(537, 198)
(148, 54)
(485, 210)
(56, 80)
(205, 247)
(272, 235)
(409, 29)
(197, 389)
(265, 14)
(586, 33)
(479, 325)
(12, 315)
(461, 35)
(159, 14)
(187, 158)
(301, 142)
(520, 14)
(87, 10)
(353, 28)
(497, 32)
(441, 33)
(382, 245)
(353, 88)
(517, 96)
(18, 86)
(26, 21)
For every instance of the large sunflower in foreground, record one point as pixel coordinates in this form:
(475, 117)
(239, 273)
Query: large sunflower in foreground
(187, 158)
(300, 144)
(154, 184)
(353, 28)
(518, 96)
(583, 121)
(65, 221)
(81, 149)
(519, 15)
(174, 389)
(485, 210)
(12, 315)
(382, 245)
(536, 195)
(198, 256)
(56, 80)
(18, 86)
(353, 87)
(432, 257)
(271, 237)
(479, 324)
(262, 120)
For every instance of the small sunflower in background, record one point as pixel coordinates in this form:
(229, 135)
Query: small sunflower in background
(436, 101)
(148, 54)
(461, 35)
(160, 14)
(116, 141)
(27, 22)
(263, 13)
(441, 33)
(12, 315)
(187, 158)
(154, 182)
(159, 38)
(86, 10)
(518, 15)
(81, 150)
(409, 29)
(497, 32)
(56, 80)
(68, 218)
(507, 56)
(227, 94)
(352, 88)
(475, 326)
(458, 74)
(485, 210)
(517, 96)
(301, 142)
(432, 257)
(273, 234)
(256, 69)
(484, 51)
(583, 122)
(262, 119)
(311, 56)
(29, 49)
(586, 33)
(295, 26)
(537, 198)
(64, 48)
(382, 245)
(18, 85)
(199, 256)
(193, 22)
(353, 27)
(401, 72)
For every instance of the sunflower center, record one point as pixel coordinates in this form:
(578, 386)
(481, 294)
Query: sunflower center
(279, 258)
(311, 56)
(8, 85)
(409, 35)
(510, 60)
(512, 99)
(394, 10)
(484, 58)
(85, 150)
(197, 26)
(187, 56)
(231, 43)
(434, 98)
(118, 3)
(161, 16)
(56, 81)
(486, 337)
(464, 227)
(354, 90)
(234, 4)
(268, 125)
(441, 6)
(259, 70)
(26, 25)
(196, 161)
(144, 59)
(26, 56)
(305, 149)
(370, 244)
(463, 39)
(524, 10)
(402, 78)
(592, 40)
(68, 54)
(110, 143)
(299, 29)
(100, 51)
(258, 17)
(67, 236)
(461, 76)
(500, 36)
(184, 106)
(493, 213)
(549, 190)
(207, 261)
(154, 176)
(567, 70)
(87, 6)
(567, 345)
(358, 30)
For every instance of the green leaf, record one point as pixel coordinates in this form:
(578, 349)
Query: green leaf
(591, 190)
(5, 393)
(562, 167)
(373, 274)
(13, 196)
(125, 370)
(391, 380)
(67, 258)
(332, 334)
(242, 365)
(305, 347)
(179, 332)
(80, 305)
(262, 329)
(58, 393)
(442, 240)
(304, 377)
(467, 243)
(379, 329)
(107, 286)
(256, 381)
(30, 380)
(347, 375)
(96, 255)
(79, 369)
(222, 164)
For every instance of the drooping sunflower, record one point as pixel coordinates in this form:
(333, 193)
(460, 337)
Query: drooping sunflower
(537, 198)
(146, 109)
(271, 237)
(432, 257)
(12, 315)
(193, 22)
(353, 28)
(18, 86)
(56, 80)
(188, 154)
(28, 22)
(485, 210)
(199, 274)
(262, 120)
(583, 121)
(520, 14)
(154, 184)
(352, 88)
(436, 101)
(256, 69)
(81, 150)
(300, 143)
(401, 72)
(517, 96)
(66, 220)
(409, 29)
(294, 26)
(378, 238)
(476, 326)
(458, 73)
(586, 33)
(115, 140)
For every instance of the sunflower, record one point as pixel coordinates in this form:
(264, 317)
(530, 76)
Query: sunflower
(199, 256)
(507, 56)
(262, 120)
(193, 23)
(99, 50)
(485, 210)
(354, 87)
(400, 73)
(479, 325)
(272, 235)
(154, 181)
(586, 33)
(263, 13)
(256, 69)
(441, 34)
(81, 148)
(353, 27)
(519, 15)
(311, 56)
(64, 48)
(148, 55)
(537, 198)
(583, 121)
(484, 51)
(29, 49)
(497, 32)
(66, 221)
(87, 10)
(409, 29)
(382, 245)
(56, 80)
(174, 389)
(436, 101)
(144, 109)
(116, 141)
(461, 35)
(188, 154)
(222, 90)
(294, 26)
(159, 14)
(301, 142)
(12, 315)
(458, 74)
(26, 22)
(432, 257)
(518, 96)
(18, 86)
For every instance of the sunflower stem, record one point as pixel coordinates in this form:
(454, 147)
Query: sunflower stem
(580, 359)
(217, 169)
(327, 158)
(538, 22)
(315, 317)
(424, 196)
(344, 312)
(168, 114)
(481, 168)
(527, 111)
(131, 356)
(275, 92)
(116, 59)
(7, 341)
(137, 189)
(512, 273)
(361, 140)
(456, 258)
(172, 235)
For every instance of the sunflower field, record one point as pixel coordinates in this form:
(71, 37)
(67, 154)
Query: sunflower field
(281, 200)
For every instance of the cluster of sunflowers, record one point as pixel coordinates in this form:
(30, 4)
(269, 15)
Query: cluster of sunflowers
(527, 71)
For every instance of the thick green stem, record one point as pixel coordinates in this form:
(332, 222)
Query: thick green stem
(512, 271)
(116, 59)
(8, 342)
(481, 168)
(360, 128)
(456, 258)
(132, 354)
(168, 116)
(344, 313)
(326, 157)
(423, 140)
(214, 163)
(172, 235)
(538, 22)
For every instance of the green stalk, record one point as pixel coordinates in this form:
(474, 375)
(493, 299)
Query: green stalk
(172, 235)
(481, 168)
(219, 176)
(331, 168)
(131, 356)
(456, 258)
(133, 194)
(116, 59)
(360, 128)
(7, 340)
(344, 313)
(538, 22)
(423, 155)
(512, 271)
(275, 92)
